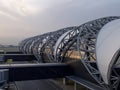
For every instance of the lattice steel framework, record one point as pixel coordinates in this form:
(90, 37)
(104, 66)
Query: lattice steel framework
(82, 39)
(86, 45)
(39, 44)
(22, 45)
(49, 46)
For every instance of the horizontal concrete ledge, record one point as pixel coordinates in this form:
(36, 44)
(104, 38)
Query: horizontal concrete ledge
(15, 54)
(18, 57)
(21, 72)
(7, 66)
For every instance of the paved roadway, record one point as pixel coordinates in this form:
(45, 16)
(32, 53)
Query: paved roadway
(36, 85)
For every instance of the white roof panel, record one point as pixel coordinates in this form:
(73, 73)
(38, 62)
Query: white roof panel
(108, 42)
(59, 40)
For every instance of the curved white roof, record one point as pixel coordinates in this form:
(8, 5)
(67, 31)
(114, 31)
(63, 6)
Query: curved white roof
(108, 42)
(59, 40)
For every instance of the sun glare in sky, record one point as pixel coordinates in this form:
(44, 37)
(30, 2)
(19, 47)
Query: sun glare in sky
(20, 19)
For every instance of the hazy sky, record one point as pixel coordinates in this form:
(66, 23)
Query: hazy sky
(20, 19)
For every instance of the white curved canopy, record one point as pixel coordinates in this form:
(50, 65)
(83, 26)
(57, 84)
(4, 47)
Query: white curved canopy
(108, 42)
(59, 40)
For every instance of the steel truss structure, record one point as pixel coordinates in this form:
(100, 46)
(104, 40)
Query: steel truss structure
(72, 44)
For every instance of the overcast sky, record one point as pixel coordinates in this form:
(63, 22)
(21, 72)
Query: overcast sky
(20, 19)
